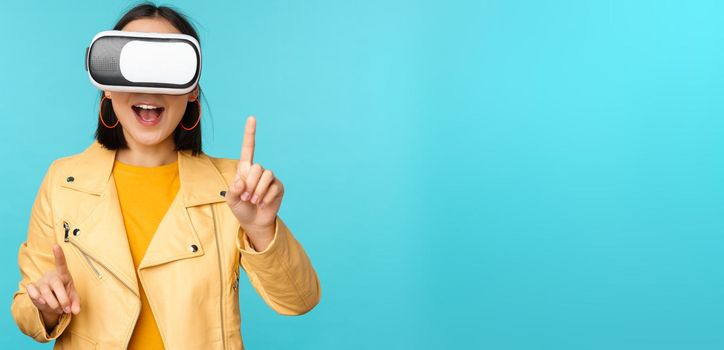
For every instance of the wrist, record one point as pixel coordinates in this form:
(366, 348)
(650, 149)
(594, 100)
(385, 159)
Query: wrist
(260, 237)
(50, 319)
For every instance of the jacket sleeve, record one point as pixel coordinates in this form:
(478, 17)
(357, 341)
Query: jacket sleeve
(282, 274)
(34, 259)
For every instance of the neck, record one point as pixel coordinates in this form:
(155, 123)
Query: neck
(148, 155)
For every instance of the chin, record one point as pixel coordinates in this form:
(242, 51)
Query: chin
(149, 138)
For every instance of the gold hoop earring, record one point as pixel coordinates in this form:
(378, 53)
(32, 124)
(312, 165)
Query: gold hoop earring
(197, 120)
(100, 115)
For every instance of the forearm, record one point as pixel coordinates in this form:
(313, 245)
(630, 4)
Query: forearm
(261, 238)
(282, 273)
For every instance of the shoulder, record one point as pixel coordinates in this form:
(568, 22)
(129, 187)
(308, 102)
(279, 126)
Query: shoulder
(91, 166)
(225, 166)
(63, 165)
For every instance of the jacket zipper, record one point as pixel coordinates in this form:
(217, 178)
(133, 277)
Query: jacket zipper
(66, 238)
(87, 257)
(221, 278)
(90, 263)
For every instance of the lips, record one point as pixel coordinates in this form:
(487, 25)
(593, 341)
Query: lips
(148, 114)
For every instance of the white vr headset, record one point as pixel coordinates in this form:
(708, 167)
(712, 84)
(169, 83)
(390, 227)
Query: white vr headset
(156, 63)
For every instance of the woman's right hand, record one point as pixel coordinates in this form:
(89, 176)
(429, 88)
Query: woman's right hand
(54, 293)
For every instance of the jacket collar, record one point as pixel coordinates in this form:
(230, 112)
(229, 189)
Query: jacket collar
(200, 181)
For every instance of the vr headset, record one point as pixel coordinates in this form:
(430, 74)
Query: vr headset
(156, 63)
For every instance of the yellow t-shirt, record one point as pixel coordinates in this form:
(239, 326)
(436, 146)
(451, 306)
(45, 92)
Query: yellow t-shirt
(144, 194)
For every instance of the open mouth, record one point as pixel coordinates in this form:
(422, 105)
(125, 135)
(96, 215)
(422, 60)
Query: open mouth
(148, 114)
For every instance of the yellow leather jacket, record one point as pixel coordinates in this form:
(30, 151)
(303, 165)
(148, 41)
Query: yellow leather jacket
(190, 272)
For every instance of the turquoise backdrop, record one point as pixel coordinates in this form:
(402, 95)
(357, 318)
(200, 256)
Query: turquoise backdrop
(463, 174)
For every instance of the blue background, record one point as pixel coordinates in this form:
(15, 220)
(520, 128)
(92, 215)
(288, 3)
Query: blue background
(464, 175)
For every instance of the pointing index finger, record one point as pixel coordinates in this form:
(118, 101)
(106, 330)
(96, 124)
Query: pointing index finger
(247, 145)
(60, 265)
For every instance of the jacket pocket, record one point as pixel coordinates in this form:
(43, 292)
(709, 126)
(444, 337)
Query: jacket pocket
(76, 341)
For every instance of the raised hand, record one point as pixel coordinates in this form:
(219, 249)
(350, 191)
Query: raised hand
(54, 293)
(256, 195)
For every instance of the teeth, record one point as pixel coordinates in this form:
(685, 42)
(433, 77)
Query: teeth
(146, 106)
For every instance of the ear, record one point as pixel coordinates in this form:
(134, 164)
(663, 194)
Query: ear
(107, 94)
(194, 95)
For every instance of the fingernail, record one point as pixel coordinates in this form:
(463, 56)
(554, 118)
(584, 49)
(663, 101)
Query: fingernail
(261, 205)
(254, 199)
(67, 310)
(245, 196)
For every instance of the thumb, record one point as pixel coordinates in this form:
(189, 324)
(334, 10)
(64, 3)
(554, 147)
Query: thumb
(74, 300)
(233, 196)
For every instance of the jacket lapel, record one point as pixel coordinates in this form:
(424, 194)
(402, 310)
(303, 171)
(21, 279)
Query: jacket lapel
(103, 234)
(182, 231)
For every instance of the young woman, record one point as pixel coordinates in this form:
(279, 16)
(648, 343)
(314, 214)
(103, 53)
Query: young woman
(137, 241)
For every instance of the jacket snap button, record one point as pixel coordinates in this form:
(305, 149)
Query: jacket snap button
(223, 193)
(70, 179)
(193, 248)
(76, 232)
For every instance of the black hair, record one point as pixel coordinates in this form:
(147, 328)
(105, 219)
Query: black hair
(184, 139)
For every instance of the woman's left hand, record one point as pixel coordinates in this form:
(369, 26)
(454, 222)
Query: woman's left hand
(256, 195)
